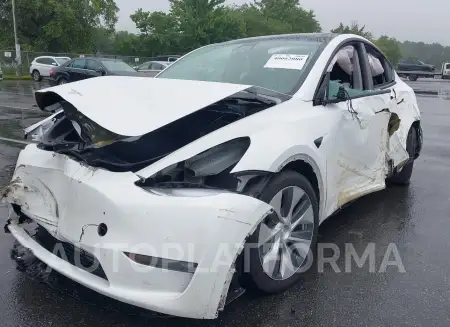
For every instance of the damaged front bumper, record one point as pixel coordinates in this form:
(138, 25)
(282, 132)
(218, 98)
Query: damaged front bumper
(105, 214)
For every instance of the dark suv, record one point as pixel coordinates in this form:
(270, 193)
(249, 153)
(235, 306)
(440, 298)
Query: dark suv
(415, 65)
(82, 68)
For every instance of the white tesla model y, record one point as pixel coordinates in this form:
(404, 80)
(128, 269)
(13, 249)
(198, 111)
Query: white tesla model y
(222, 166)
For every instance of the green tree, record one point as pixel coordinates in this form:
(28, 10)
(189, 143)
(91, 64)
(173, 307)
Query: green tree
(354, 28)
(193, 23)
(390, 47)
(57, 25)
(291, 14)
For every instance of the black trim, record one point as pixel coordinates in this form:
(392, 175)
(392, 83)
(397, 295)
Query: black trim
(162, 263)
(318, 141)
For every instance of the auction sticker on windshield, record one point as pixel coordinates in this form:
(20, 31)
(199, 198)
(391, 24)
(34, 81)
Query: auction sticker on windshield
(286, 61)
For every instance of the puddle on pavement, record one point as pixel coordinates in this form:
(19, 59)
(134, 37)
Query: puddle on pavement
(21, 88)
(12, 122)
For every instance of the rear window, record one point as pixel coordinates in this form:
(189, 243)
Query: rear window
(117, 66)
(61, 60)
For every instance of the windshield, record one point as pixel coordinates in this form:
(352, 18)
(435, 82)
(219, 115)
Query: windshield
(277, 64)
(117, 66)
(62, 60)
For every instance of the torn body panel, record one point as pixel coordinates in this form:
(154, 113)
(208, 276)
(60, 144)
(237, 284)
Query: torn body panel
(358, 143)
(88, 197)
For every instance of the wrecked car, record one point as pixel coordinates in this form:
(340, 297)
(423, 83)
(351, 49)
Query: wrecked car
(218, 170)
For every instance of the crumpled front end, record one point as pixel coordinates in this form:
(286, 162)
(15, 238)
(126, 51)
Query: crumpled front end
(167, 253)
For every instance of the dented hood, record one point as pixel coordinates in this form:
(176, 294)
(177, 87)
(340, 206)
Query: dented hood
(135, 106)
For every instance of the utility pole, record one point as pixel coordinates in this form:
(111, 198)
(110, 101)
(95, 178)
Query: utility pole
(16, 40)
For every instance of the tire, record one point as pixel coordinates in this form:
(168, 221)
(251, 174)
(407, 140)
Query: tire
(36, 76)
(413, 78)
(62, 81)
(403, 177)
(269, 278)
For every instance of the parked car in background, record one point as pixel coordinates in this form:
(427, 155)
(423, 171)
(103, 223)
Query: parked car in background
(82, 68)
(166, 58)
(415, 65)
(40, 67)
(152, 68)
(1, 74)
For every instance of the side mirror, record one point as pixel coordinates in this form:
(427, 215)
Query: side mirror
(342, 94)
(330, 92)
(54, 64)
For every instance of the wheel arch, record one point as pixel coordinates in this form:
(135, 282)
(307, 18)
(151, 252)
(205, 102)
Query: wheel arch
(419, 134)
(302, 164)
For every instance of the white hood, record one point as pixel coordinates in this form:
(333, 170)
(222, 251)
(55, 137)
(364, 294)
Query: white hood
(135, 106)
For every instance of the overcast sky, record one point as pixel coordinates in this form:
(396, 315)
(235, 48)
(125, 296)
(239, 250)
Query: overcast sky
(414, 20)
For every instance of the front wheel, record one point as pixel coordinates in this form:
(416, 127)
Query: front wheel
(283, 245)
(413, 78)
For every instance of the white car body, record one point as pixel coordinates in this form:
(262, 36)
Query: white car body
(43, 64)
(349, 156)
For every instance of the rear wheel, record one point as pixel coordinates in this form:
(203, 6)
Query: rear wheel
(37, 76)
(403, 177)
(62, 81)
(282, 246)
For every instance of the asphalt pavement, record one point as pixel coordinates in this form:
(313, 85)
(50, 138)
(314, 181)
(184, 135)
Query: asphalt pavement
(416, 219)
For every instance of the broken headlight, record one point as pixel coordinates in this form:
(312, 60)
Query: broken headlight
(206, 173)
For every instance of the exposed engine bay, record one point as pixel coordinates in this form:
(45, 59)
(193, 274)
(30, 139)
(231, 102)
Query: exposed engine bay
(73, 134)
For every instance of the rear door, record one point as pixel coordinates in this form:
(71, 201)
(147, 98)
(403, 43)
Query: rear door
(77, 71)
(382, 77)
(44, 65)
(94, 68)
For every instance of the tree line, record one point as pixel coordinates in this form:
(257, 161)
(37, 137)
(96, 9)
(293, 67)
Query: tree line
(88, 26)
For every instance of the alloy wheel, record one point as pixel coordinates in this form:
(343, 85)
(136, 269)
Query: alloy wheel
(285, 237)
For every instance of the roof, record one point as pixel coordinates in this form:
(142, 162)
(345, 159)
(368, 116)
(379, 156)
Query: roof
(100, 58)
(320, 37)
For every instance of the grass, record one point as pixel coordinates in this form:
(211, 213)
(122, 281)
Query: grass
(17, 78)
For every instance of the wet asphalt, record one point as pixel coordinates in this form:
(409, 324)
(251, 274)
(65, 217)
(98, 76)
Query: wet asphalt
(416, 219)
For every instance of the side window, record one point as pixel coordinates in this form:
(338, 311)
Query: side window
(156, 66)
(345, 74)
(145, 65)
(79, 63)
(45, 61)
(93, 65)
(380, 68)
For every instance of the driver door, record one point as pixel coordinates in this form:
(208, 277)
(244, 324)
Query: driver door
(357, 142)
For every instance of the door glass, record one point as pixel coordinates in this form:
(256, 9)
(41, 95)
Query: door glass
(94, 65)
(79, 63)
(345, 75)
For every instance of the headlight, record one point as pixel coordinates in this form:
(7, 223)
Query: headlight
(218, 158)
(205, 174)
